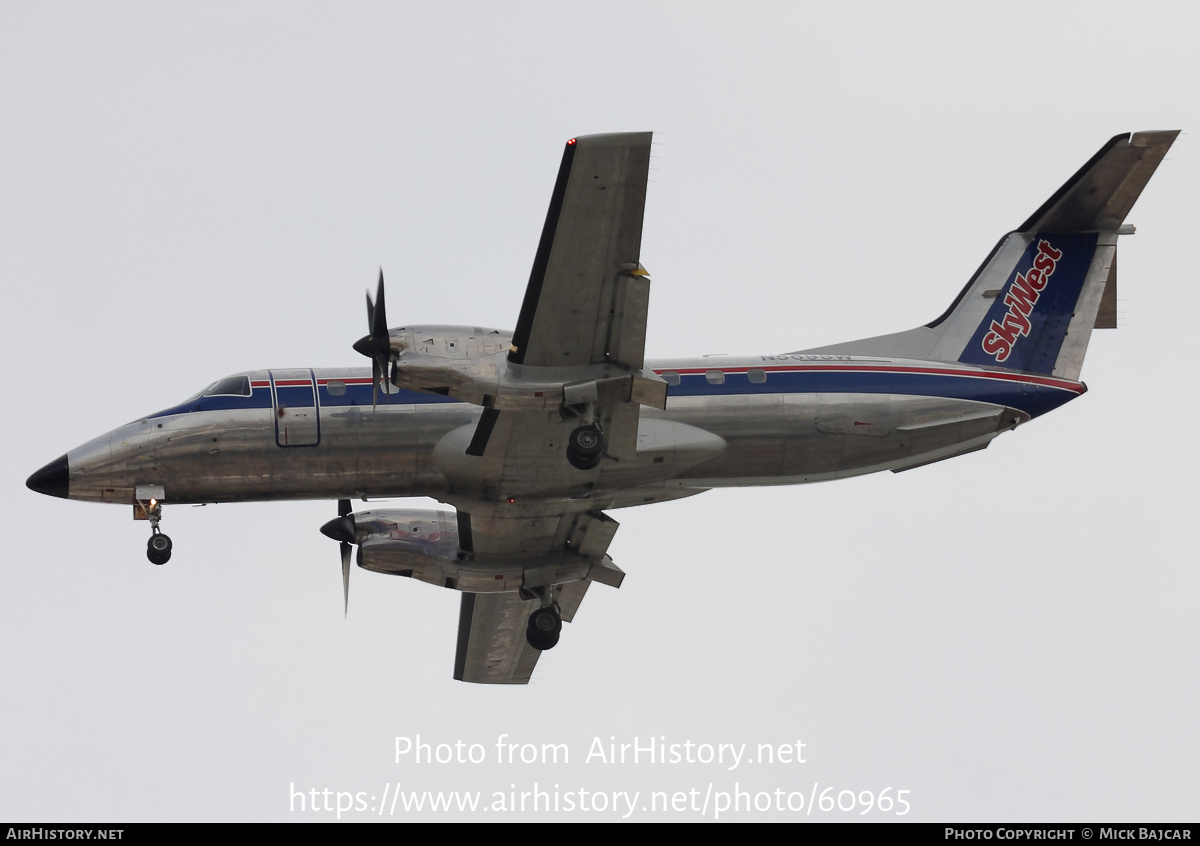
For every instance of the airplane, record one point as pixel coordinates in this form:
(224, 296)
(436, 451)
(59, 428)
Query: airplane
(531, 436)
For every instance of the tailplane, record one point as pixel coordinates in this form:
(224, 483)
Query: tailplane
(1034, 301)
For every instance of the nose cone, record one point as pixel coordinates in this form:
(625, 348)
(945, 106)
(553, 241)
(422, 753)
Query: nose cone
(51, 480)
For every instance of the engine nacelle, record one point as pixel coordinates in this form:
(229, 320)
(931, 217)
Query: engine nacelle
(470, 363)
(463, 362)
(423, 544)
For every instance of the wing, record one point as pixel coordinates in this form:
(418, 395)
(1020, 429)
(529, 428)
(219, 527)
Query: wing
(587, 296)
(583, 319)
(491, 635)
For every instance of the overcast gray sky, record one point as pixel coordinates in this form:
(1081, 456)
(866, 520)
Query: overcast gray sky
(190, 190)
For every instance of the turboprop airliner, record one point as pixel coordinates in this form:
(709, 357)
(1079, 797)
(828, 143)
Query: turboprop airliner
(531, 436)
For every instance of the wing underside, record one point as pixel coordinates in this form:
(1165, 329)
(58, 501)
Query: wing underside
(583, 324)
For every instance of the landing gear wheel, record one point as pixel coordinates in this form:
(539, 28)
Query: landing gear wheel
(582, 463)
(545, 621)
(543, 629)
(585, 446)
(586, 441)
(541, 642)
(158, 549)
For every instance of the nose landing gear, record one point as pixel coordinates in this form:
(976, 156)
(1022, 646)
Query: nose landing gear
(158, 548)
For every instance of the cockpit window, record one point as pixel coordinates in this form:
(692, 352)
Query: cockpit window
(234, 386)
(197, 395)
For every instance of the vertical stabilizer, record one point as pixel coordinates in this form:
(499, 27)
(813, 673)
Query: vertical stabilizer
(1034, 301)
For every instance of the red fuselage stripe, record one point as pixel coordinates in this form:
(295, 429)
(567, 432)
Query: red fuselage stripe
(1075, 387)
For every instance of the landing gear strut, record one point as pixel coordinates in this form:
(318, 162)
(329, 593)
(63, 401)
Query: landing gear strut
(158, 548)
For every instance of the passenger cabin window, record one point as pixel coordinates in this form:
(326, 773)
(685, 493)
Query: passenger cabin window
(234, 386)
(336, 387)
(757, 376)
(715, 377)
(670, 377)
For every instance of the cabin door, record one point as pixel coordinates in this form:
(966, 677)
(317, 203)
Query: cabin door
(294, 393)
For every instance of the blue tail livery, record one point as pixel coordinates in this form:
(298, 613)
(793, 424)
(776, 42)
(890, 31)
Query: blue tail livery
(1031, 306)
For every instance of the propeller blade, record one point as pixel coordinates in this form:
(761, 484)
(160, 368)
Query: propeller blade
(342, 528)
(346, 578)
(379, 327)
(377, 345)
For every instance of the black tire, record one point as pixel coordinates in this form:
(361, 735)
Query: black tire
(540, 641)
(158, 549)
(586, 442)
(581, 463)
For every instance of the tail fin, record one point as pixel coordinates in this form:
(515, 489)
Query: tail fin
(1034, 301)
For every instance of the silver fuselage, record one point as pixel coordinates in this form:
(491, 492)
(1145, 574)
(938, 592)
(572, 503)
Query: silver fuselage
(762, 420)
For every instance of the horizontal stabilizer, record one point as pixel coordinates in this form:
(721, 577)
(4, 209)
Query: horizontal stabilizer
(1101, 193)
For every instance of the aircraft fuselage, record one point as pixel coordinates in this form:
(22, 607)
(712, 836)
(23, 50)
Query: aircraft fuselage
(312, 434)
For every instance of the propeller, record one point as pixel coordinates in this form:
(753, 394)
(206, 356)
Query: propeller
(376, 345)
(342, 529)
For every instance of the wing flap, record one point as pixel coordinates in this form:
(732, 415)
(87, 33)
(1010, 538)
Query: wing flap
(569, 598)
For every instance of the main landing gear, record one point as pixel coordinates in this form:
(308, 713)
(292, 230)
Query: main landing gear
(543, 628)
(545, 623)
(585, 445)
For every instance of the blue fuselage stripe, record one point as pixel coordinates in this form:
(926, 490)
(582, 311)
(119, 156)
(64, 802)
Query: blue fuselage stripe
(1032, 398)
